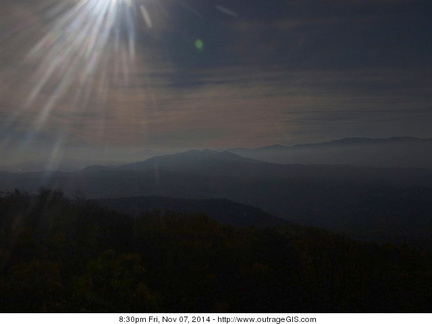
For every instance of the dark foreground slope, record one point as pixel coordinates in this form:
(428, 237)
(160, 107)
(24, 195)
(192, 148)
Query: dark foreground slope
(73, 256)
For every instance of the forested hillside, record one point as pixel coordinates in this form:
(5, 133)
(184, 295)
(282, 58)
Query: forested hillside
(63, 255)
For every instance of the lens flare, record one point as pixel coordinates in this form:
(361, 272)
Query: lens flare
(199, 44)
(86, 47)
(77, 48)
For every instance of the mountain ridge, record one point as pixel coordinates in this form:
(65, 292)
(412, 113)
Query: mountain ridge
(343, 140)
(190, 160)
(222, 210)
(361, 151)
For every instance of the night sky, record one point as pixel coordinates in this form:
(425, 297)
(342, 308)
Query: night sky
(125, 75)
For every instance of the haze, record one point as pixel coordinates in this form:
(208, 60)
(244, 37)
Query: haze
(100, 81)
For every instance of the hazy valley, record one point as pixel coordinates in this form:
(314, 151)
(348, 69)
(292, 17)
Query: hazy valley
(364, 202)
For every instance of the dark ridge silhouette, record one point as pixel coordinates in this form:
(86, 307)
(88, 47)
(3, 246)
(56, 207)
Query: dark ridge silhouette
(216, 164)
(388, 204)
(193, 160)
(222, 210)
(63, 255)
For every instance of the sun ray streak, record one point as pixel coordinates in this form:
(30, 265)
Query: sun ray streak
(89, 48)
(146, 16)
(72, 54)
(227, 11)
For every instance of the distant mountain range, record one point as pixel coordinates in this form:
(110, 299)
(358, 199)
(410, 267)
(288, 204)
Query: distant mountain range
(192, 161)
(406, 152)
(387, 152)
(393, 204)
(371, 141)
(78, 159)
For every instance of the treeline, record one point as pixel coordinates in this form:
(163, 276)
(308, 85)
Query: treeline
(70, 255)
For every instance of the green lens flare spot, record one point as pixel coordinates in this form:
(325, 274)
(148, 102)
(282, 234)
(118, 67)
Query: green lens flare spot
(199, 44)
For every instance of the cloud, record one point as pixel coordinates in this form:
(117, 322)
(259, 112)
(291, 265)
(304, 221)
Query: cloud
(279, 72)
